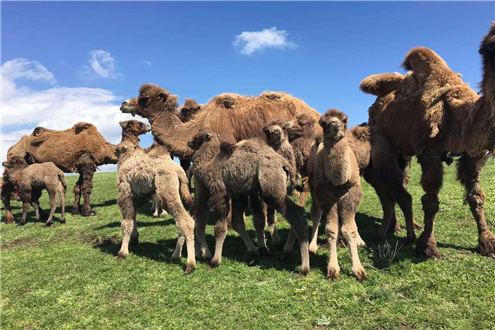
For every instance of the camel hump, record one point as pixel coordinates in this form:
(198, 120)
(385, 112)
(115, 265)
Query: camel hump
(418, 57)
(362, 132)
(271, 95)
(38, 131)
(381, 84)
(226, 100)
(227, 148)
(82, 126)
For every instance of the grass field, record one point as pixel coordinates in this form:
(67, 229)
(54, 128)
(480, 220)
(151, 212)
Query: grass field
(66, 276)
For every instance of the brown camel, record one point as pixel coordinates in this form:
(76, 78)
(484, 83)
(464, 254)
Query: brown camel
(80, 149)
(336, 190)
(430, 112)
(235, 117)
(142, 175)
(30, 180)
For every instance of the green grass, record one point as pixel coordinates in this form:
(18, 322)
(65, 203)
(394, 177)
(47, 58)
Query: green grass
(66, 276)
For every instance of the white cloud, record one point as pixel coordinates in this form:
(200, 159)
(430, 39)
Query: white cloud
(147, 63)
(251, 41)
(31, 70)
(55, 108)
(102, 65)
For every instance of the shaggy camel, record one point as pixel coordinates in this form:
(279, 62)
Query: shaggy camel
(142, 175)
(80, 148)
(211, 194)
(254, 169)
(31, 179)
(234, 117)
(443, 115)
(336, 190)
(301, 131)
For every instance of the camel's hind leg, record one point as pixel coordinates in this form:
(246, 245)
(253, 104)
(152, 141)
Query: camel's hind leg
(271, 219)
(316, 214)
(332, 232)
(258, 208)
(76, 208)
(431, 180)
(273, 192)
(469, 171)
(6, 193)
(52, 193)
(61, 193)
(35, 202)
(239, 205)
(167, 195)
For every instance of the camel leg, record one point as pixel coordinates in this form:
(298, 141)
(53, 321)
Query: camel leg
(25, 209)
(6, 193)
(76, 208)
(271, 219)
(35, 202)
(201, 211)
(239, 205)
(303, 196)
(52, 193)
(128, 225)
(87, 188)
(316, 214)
(471, 169)
(221, 209)
(431, 180)
(347, 208)
(61, 193)
(167, 193)
(258, 209)
(332, 232)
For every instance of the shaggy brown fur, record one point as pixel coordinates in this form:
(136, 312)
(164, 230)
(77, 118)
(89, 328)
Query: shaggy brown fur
(234, 117)
(142, 175)
(336, 190)
(31, 180)
(443, 115)
(212, 194)
(254, 169)
(80, 148)
(188, 110)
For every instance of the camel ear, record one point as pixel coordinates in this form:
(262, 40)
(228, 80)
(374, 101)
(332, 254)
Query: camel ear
(208, 136)
(346, 120)
(122, 124)
(81, 127)
(162, 96)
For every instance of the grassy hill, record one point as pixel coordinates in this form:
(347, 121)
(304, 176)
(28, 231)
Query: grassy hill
(66, 276)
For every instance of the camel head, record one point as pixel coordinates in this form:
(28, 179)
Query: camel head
(487, 48)
(152, 99)
(303, 125)
(201, 138)
(18, 162)
(274, 133)
(334, 124)
(134, 127)
(125, 149)
(20, 149)
(189, 109)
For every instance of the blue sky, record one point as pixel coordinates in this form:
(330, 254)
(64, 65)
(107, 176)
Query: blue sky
(81, 60)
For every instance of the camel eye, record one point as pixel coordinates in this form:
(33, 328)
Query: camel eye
(143, 101)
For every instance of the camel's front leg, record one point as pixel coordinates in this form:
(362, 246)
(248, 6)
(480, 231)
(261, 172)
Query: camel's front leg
(469, 174)
(127, 207)
(7, 190)
(76, 208)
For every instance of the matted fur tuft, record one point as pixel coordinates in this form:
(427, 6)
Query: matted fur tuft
(381, 84)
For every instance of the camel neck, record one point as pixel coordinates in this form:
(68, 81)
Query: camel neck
(170, 131)
(134, 139)
(337, 161)
(205, 154)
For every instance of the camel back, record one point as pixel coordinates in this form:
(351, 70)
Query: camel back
(64, 147)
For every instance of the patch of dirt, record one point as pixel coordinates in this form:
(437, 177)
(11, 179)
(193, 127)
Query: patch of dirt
(99, 241)
(17, 243)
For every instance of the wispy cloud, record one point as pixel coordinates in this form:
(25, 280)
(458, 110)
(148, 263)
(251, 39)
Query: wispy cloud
(54, 107)
(101, 65)
(147, 63)
(249, 42)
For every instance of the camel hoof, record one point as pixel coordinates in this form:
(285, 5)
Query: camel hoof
(189, 269)
(487, 244)
(333, 274)
(214, 263)
(62, 220)
(206, 257)
(88, 213)
(75, 211)
(304, 271)
(427, 246)
(120, 256)
(21, 223)
(49, 223)
(313, 248)
(9, 220)
(416, 225)
(360, 275)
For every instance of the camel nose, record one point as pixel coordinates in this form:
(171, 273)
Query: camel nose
(124, 103)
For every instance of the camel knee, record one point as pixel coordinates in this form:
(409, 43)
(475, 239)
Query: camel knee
(430, 203)
(476, 198)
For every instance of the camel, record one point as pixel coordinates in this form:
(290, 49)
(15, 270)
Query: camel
(31, 179)
(80, 149)
(142, 175)
(336, 190)
(235, 117)
(429, 112)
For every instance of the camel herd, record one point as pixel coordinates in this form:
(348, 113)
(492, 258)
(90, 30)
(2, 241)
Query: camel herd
(268, 153)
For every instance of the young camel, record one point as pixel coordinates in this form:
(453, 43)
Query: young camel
(31, 179)
(336, 190)
(142, 175)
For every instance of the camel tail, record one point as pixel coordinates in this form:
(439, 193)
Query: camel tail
(61, 178)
